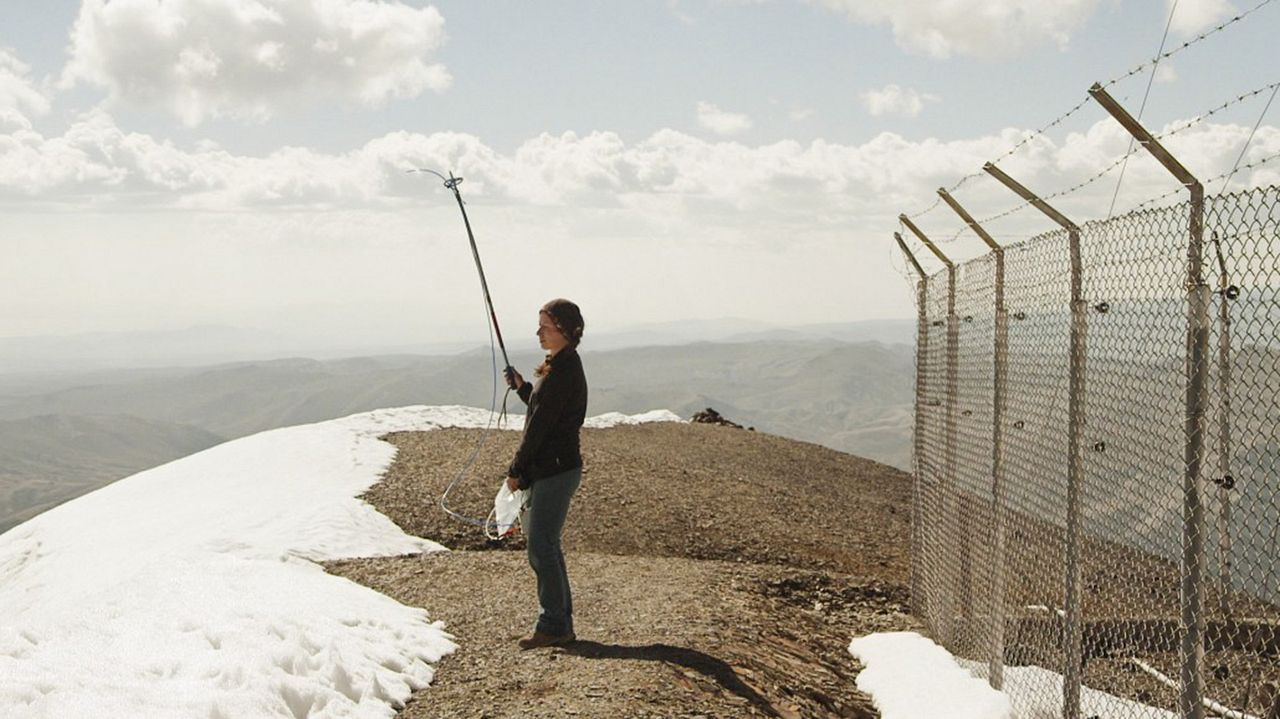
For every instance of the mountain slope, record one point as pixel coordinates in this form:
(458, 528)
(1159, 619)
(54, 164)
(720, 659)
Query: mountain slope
(48, 459)
(852, 397)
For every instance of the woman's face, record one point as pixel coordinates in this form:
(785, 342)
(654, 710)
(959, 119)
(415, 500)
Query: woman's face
(551, 338)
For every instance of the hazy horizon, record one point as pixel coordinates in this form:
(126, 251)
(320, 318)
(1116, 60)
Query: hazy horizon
(62, 433)
(214, 344)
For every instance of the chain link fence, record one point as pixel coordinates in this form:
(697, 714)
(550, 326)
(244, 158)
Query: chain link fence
(1065, 538)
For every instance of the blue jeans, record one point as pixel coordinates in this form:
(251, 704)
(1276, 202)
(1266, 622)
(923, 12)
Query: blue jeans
(548, 506)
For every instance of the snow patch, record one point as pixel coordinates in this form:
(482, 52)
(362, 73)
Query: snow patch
(191, 589)
(613, 419)
(910, 677)
(1036, 693)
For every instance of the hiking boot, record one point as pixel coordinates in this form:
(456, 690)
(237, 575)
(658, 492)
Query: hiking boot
(538, 640)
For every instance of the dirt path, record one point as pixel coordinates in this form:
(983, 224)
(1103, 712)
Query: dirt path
(682, 609)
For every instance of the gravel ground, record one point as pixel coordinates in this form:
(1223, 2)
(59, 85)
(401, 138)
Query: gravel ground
(717, 572)
(676, 490)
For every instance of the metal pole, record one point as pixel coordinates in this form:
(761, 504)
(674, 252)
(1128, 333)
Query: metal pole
(927, 242)
(960, 545)
(1073, 640)
(950, 492)
(922, 384)
(995, 662)
(1226, 482)
(1198, 296)
(452, 183)
(1197, 370)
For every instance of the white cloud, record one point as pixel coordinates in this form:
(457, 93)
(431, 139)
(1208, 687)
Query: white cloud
(983, 28)
(1193, 16)
(269, 238)
(244, 58)
(720, 121)
(19, 98)
(673, 7)
(894, 100)
(658, 180)
(1166, 73)
(801, 114)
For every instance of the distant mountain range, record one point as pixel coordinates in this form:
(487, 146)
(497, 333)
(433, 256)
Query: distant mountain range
(63, 434)
(218, 344)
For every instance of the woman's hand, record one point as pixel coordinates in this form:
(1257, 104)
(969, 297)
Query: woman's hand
(514, 380)
(513, 484)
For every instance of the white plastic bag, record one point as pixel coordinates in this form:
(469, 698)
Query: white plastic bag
(506, 510)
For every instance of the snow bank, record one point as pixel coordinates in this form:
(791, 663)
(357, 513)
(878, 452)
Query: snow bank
(1036, 693)
(910, 677)
(190, 590)
(611, 419)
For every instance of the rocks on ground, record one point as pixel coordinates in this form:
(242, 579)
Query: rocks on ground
(710, 416)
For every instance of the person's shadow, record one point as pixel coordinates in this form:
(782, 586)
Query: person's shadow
(705, 664)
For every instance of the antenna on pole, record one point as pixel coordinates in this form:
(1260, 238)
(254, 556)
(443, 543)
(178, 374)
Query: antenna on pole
(452, 183)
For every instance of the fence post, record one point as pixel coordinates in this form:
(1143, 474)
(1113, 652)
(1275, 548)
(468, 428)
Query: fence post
(995, 665)
(949, 445)
(1226, 482)
(1074, 635)
(1197, 369)
(922, 384)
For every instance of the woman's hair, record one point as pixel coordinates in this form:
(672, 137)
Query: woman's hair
(567, 318)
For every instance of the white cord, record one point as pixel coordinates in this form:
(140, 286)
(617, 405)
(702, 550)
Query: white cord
(489, 524)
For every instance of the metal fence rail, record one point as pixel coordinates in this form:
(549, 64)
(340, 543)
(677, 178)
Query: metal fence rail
(1142, 577)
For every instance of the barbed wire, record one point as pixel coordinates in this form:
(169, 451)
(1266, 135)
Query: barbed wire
(1140, 206)
(1249, 140)
(938, 201)
(1064, 116)
(1164, 135)
(1180, 188)
(1151, 80)
(1133, 150)
(1187, 44)
(1008, 153)
(899, 263)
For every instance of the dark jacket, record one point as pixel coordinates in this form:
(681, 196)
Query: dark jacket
(557, 408)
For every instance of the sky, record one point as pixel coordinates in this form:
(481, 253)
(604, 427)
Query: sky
(244, 163)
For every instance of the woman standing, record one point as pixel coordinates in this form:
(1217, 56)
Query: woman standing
(549, 463)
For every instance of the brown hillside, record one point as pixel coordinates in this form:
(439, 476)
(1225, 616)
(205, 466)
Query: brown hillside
(676, 490)
(716, 572)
